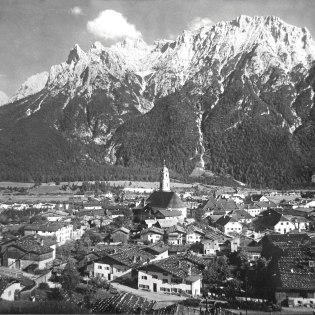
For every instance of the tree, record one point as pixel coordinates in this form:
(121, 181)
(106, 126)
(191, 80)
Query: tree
(70, 278)
(38, 219)
(216, 272)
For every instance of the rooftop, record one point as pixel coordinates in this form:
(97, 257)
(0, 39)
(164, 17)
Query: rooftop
(47, 227)
(178, 266)
(132, 258)
(31, 245)
(165, 200)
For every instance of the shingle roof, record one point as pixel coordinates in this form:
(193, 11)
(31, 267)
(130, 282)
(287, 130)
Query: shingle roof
(29, 245)
(215, 234)
(156, 249)
(241, 215)
(124, 303)
(178, 265)
(175, 229)
(220, 205)
(194, 229)
(170, 213)
(132, 258)
(122, 229)
(164, 223)
(278, 239)
(297, 281)
(224, 220)
(165, 200)
(153, 229)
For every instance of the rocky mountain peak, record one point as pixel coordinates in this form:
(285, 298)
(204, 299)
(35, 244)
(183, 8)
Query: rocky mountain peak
(4, 99)
(224, 81)
(32, 85)
(76, 53)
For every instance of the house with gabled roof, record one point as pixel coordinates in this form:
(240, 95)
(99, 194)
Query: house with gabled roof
(274, 219)
(152, 234)
(193, 234)
(175, 235)
(159, 250)
(165, 223)
(228, 225)
(27, 251)
(241, 216)
(120, 264)
(258, 197)
(264, 205)
(251, 208)
(213, 241)
(9, 288)
(175, 274)
(63, 231)
(120, 235)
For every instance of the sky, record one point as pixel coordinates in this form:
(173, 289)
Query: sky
(36, 34)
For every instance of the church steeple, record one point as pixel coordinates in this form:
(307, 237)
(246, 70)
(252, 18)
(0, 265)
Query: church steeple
(164, 178)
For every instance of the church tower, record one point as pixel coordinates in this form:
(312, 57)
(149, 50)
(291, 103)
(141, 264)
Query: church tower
(164, 179)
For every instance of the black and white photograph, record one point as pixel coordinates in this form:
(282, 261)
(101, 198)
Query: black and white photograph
(157, 157)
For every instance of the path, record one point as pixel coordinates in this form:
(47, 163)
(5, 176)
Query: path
(155, 296)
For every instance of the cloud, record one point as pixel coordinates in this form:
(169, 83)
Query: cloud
(198, 23)
(76, 11)
(112, 25)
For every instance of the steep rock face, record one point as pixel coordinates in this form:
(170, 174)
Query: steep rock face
(31, 86)
(236, 98)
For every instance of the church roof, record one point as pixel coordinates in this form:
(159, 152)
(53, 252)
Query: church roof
(165, 200)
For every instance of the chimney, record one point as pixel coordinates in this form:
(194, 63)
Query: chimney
(41, 242)
(179, 263)
(134, 258)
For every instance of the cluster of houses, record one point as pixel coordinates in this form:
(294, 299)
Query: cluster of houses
(166, 251)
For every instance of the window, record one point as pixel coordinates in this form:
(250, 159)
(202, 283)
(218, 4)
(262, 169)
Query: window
(165, 274)
(165, 280)
(106, 268)
(144, 277)
(99, 267)
(143, 286)
(154, 277)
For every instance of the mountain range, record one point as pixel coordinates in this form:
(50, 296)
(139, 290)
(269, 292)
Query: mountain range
(234, 99)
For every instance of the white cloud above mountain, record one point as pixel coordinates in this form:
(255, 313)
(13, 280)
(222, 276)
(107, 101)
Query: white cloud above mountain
(112, 25)
(76, 11)
(199, 22)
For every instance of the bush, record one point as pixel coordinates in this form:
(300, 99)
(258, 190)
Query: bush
(43, 286)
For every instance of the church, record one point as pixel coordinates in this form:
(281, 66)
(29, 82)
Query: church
(165, 202)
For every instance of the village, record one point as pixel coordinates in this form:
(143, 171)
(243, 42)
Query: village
(159, 251)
